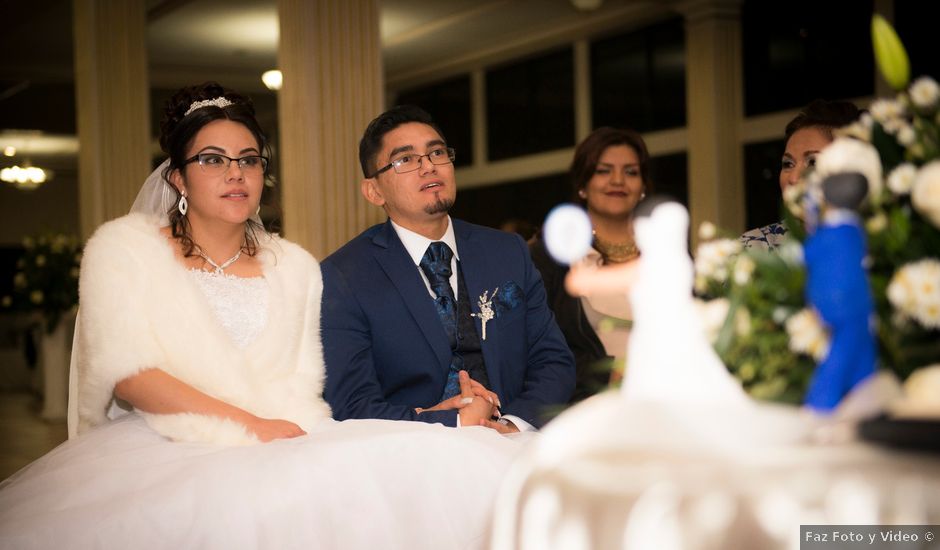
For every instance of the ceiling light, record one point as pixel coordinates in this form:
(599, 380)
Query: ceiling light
(9, 151)
(272, 79)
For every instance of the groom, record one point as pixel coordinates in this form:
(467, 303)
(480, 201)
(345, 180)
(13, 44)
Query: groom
(424, 310)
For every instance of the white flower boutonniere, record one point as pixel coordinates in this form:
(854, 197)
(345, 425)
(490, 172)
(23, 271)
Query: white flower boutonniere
(485, 305)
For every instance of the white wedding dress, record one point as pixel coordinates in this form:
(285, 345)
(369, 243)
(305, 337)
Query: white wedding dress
(356, 484)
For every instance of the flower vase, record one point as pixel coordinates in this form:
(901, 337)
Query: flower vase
(54, 355)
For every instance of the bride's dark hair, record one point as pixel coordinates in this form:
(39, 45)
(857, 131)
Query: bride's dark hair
(177, 131)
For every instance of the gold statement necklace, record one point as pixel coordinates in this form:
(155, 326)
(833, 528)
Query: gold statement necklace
(616, 253)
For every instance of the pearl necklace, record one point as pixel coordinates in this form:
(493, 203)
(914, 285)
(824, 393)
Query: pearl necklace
(219, 269)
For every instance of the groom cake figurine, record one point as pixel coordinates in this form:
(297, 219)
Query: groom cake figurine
(424, 305)
(837, 287)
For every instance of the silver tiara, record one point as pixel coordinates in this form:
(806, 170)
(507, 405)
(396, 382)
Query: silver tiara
(217, 102)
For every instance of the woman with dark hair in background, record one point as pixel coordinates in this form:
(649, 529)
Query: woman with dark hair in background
(610, 174)
(806, 135)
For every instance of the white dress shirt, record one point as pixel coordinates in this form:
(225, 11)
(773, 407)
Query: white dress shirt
(417, 245)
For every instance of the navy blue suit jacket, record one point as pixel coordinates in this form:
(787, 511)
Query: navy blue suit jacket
(386, 350)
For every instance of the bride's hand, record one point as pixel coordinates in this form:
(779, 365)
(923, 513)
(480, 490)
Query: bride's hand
(268, 429)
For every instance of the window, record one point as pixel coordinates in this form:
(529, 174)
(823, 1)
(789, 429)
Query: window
(527, 201)
(638, 79)
(916, 28)
(762, 182)
(811, 50)
(669, 174)
(18, 109)
(530, 106)
(449, 104)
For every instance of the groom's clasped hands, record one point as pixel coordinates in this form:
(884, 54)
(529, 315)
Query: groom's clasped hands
(477, 405)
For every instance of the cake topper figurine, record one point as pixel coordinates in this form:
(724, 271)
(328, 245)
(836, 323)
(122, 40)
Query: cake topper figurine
(669, 357)
(837, 288)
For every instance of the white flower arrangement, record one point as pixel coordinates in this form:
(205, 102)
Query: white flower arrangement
(915, 292)
(751, 295)
(852, 155)
(743, 268)
(713, 259)
(807, 334)
(924, 93)
(876, 223)
(887, 111)
(769, 339)
(707, 231)
(901, 179)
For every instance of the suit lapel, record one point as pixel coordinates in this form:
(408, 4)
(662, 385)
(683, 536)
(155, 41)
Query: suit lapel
(474, 265)
(395, 261)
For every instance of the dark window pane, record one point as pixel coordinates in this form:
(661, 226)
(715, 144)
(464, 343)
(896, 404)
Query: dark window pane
(48, 107)
(638, 79)
(811, 50)
(449, 104)
(670, 176)
(916, 23)
(530, 106)
(762, 182)
(527, 201)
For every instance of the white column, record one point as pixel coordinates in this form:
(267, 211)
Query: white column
(478, 127)
(715, 109)
(330, 56)
(112, 105)
(583, 123)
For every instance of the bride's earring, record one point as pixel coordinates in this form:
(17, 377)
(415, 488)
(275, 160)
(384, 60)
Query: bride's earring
(258, 211)
(582, 194)
(183, 205)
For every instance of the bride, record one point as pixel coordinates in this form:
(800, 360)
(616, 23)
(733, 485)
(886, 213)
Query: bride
(199, 340)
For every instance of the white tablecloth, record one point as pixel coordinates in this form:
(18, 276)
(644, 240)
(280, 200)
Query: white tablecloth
(612, 474)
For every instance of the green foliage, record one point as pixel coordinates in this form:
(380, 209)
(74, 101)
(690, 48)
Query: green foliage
(753, 341)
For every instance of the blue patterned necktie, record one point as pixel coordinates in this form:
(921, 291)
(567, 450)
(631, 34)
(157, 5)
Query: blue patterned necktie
(436, 267)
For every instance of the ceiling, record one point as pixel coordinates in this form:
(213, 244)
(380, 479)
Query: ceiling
(234, 41)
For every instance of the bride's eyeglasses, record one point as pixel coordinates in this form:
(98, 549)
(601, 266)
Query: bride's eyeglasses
(218, 164)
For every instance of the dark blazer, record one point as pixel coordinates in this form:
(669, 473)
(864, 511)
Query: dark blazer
(589, 355)
(386, 350)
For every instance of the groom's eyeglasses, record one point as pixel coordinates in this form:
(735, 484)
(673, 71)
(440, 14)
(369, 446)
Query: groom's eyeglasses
(217, 164)
(409, 162)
